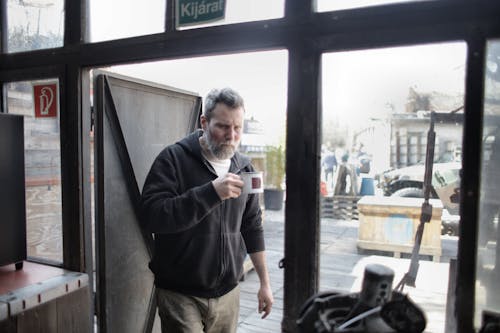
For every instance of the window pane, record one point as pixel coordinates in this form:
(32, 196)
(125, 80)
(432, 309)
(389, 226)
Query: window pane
(37, 24)
(328, 5)
(114, 19)
(253, 75)
(488, 263)
(38, 102)
(238, 11)
(376, 117)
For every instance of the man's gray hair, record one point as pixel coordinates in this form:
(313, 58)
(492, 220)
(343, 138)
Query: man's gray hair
(225, 96)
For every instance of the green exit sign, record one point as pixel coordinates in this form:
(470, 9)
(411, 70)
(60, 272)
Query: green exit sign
(191, 12)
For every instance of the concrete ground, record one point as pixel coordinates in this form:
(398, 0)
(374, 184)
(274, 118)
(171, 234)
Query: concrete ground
(341, 269)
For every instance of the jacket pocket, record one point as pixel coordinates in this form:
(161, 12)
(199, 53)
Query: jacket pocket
(200, 263)
(235, 257)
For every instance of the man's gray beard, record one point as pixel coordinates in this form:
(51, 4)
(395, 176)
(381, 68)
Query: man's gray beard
(221, 152)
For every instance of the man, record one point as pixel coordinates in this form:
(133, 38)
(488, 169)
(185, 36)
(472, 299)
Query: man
(203, 225)
(329, 165)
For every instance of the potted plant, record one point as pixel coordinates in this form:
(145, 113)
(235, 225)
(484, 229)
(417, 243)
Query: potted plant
(274, 175)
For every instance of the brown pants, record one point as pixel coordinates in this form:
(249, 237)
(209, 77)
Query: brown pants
(188, 314)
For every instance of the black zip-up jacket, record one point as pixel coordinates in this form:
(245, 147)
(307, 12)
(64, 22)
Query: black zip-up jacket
(200, 240)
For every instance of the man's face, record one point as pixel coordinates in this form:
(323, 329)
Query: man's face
(223, 131)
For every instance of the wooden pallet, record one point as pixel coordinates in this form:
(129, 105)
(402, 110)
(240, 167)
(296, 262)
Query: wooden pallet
(341, 207)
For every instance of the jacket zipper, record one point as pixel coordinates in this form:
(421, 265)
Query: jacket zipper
(222, 243)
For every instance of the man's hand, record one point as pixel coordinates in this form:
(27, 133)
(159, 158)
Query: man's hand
(228, 186)
(265, 294)
(266, 300)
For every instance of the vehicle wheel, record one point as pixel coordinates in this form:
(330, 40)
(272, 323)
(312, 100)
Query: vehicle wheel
(409, 192)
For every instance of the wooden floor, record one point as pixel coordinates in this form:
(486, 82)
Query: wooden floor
(342, 270)
(250, 320)
(44, 222)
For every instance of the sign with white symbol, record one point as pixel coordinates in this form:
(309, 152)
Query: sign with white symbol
(46, 99)
(192, 12)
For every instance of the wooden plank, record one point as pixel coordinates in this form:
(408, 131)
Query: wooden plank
(32, 273)
(388, 205)
(342, 207)
(4, 311)
(68, 313)
(26, 298)
(41, 319)
(72, 312)
(389, 224)
(8, 325)
(397, 249)
(44, 221)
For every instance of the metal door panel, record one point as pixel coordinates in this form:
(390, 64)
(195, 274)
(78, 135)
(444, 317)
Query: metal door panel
(135, 120)
(153, 116)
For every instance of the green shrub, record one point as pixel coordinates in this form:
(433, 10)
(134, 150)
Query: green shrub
(275, 167)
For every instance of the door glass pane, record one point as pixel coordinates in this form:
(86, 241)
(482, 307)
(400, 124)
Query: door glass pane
(488, 257)
(34, 25)
(377, 107)
(38, 102)
(328, 5)
(114, 19)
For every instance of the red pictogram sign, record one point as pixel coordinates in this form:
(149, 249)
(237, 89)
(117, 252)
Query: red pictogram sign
(46, 100)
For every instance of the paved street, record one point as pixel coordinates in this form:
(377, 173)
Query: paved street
(342, 269)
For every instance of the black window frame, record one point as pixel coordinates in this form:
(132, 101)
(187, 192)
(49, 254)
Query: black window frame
(306, 35)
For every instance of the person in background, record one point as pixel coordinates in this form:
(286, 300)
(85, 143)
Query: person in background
(329, 164)
(346, 182)
(203, 225)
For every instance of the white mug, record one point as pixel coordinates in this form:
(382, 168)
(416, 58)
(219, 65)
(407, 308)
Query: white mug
(253, 182)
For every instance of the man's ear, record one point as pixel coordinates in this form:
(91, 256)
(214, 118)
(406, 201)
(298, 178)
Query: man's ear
(203, 122)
